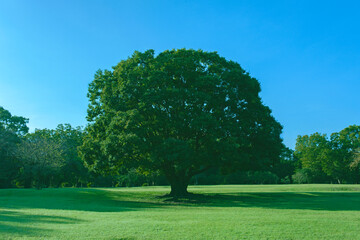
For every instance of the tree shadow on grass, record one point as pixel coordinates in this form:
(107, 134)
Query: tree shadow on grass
(105, 200)
(15, 223)
(330, 201)
(95, 200)
(189, 199)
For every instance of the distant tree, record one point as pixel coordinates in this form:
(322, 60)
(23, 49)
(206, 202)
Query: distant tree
(344, 145)
(8, 161)
(12, 123)
(285, 168)
(181, 112)
(73, 171)
(355, 163)
(41, 160)
(66, 139)
(311, 150)
(11, 128)
(332, 156)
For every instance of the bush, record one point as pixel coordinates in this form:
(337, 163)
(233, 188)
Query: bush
(285, 180)
(302, 176)
(263, 178)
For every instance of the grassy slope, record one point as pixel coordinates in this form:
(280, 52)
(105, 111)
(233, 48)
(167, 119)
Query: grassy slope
(227, 212)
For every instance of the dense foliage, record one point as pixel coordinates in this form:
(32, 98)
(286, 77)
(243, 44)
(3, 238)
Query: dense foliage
(181, 112)
(11, 129)
(329, 159)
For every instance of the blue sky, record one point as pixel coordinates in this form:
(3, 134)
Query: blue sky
(306, 54)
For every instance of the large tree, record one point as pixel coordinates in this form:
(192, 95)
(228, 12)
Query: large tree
(180, 112)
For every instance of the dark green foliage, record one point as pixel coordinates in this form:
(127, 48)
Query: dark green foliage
(11, 128)
(239, 177)
(209, 177)
(252, 177)
(285, 168)
(73, 171)
(181, 112)
(41, 161)
(306, 175)
(50, 158)
(9, 164)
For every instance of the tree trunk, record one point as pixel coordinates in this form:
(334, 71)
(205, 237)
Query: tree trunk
(179, 180)
(179, 187)
(179, 183)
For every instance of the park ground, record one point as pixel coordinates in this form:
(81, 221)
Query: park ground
(212, 212)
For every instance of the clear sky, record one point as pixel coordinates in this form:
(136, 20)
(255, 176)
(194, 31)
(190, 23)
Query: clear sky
(306, 54)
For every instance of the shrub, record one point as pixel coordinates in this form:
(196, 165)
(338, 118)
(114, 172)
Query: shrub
(285, 180)
(302, 176)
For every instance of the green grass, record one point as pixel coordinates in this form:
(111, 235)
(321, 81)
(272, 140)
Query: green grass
(214, 212)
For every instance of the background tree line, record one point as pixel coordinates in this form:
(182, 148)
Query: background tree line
(51, 158)
(333, 159)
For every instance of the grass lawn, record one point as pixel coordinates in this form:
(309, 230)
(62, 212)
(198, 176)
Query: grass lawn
(214, 212)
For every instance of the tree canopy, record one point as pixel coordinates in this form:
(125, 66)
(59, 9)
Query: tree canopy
(334, 156)
(49, 157)
(10, 129)
(12, 123)
(180, 112)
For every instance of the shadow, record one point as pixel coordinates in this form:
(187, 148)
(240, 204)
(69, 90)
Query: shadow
(112, 200)
(190, 198)
(16, 223)
(329, 201)
(95, 200)
(10, 221)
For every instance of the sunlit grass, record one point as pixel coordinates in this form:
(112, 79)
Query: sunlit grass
(213, 212)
